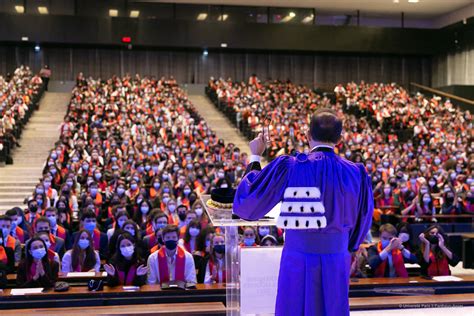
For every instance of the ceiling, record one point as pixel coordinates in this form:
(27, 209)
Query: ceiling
(424, 8)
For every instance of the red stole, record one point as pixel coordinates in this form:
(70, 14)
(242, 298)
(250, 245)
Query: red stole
(212, 267)
(60, 232)
(128, 279)
(20, 234)
(96, 238)
(155, 248)
(52, 239)
(179, 265)
(3, 255)
(10, 242)
(149, 229)
(51, 255)
(438, 266)
(398, 264)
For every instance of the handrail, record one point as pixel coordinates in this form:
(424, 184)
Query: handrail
(444, 94)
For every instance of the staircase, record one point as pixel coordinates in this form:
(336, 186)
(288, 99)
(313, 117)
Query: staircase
(17, 181)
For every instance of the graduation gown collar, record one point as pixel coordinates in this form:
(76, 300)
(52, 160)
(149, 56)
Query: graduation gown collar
(326, 148)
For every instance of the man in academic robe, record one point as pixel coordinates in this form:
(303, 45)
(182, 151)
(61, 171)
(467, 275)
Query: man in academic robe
(326, 211)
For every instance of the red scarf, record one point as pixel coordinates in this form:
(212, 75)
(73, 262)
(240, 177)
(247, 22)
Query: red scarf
(438, 266)
(398, 264)
(96, 239)
(3, 255)
(20, 234)
(52, 239)
(51, 255)
(212, 267)
(179, 265)
(10, 242)
(128, 279)
(61, 232)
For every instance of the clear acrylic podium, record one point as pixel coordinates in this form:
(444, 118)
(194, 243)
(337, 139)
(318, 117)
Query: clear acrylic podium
(223, 219)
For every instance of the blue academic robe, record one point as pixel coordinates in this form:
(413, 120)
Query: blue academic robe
(326, 212)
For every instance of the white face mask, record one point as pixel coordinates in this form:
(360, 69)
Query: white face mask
(127, 251)
(198, 211)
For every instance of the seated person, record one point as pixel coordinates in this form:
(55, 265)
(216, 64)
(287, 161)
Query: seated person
(7, 240)
(190, 237)
(435, 256)
(159, 221)
(190, 216)
(215, 267)
(82, 257)
(126, 266)
(358, 263)
(52, 255)
(387, 258)
(249, 238)
(172, 262)
(42, 224)
(120, 218)
(35, 269)
(132, 228)
(89, 222)
(16, 231)
(269, 241)
(7, 260)
(51, 214)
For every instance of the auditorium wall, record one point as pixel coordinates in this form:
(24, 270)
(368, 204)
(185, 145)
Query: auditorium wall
(454, 68)
(191, 66)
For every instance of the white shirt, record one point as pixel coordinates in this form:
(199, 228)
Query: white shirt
(220, 276)
(66, 265)
(154, 271)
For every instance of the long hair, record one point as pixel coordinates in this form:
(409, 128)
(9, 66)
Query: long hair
(118, 259)
(90, 259)
(212, 256)
(438, 253)
(193, 224)
(28, 259)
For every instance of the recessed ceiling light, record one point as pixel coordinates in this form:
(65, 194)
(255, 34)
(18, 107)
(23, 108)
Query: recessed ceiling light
(205, 52)
(308, 19)
(292, 14)
(113, 12)
(223, 44)
(24, 38)
(20, 9)
(202, 16)
(37, 48)
(413, 1)
(134, 14)
(222, 17)
(396, 1)
(43, 10)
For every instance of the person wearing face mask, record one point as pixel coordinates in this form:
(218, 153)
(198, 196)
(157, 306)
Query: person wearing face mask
(52, 255)
(451, 204)
(158, 221)
(215, 271)
(120, 218)
(7, 240)
(155, 187)
(190, 237)
(188, 218)
(51, 214)
(16, 231)
(126, 267)
(385, 205)
(82, 257)
(249, 238)
(88, 222)
(425, 207)
(57, 243)
(469, 200)
(36, 270)
(435, 257)
(201, 215)
(133, 192)
(51, 193)
(172, 262)
(388, 257)
(31, 214)
(181, 212)
(141, 216)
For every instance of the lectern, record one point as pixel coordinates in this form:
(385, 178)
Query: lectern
(261, 278)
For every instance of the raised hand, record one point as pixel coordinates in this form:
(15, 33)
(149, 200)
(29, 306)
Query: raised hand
(257, 146)
(110, 269)
(142, 270)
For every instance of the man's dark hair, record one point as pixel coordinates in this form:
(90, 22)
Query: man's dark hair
(88, 214)
(170, 229)
(5, 218)
(325, 126)
(11, 212)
